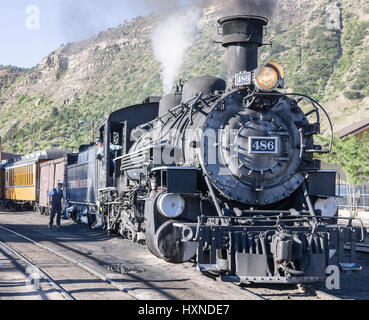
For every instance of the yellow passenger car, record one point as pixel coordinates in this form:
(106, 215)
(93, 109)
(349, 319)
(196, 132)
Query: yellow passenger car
(22, 178)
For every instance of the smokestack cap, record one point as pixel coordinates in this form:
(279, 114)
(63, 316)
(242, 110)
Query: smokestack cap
(243, 29)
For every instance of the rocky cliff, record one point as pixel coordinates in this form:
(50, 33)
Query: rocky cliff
(84, 81)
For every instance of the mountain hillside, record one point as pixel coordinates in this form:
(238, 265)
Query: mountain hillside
(44, 107)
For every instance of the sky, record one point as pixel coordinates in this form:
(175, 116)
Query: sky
(31, 29)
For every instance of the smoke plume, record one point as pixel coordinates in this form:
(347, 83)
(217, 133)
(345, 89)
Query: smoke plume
(171, 37)
(176, 33)
(241, 7)
(170, 40)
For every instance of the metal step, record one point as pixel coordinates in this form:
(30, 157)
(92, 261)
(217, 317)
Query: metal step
(347, 267)
(208, 268)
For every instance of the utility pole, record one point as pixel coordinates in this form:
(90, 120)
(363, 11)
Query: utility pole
(93, 130)
(84, 122)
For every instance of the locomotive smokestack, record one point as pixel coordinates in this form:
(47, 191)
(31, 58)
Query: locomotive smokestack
(242, 36)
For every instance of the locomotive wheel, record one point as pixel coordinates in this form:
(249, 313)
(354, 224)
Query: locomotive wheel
(169, 245)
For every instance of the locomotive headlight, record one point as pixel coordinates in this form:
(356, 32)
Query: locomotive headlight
(171, 205)
(269, 77)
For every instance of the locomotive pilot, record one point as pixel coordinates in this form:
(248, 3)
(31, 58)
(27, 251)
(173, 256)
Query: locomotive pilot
(56, 196)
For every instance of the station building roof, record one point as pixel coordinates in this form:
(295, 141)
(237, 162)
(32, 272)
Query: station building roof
(354, 129)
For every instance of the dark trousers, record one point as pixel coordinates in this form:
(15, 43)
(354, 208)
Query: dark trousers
(57, 210)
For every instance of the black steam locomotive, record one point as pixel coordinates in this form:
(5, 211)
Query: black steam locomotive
(223, 171)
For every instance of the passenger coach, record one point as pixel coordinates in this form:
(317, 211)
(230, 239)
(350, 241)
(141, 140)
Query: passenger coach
(22, 177)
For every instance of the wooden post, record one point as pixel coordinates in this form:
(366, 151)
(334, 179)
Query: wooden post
(1, 151)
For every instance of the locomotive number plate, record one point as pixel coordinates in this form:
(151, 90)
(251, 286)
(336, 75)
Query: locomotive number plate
(263, 145)
(243, 79)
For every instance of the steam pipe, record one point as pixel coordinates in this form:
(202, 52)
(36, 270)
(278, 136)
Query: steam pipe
(308, 200)
(216, 203)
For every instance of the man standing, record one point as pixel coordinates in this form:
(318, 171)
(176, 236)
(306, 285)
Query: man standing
(56, 196)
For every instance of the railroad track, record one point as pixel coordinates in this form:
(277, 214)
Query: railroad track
(298, 292)
(79, 264)
(252, 292)
(88, 268)
(280, 291)
(58, 288)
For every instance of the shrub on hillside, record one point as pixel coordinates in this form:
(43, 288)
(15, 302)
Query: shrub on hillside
(353, 95)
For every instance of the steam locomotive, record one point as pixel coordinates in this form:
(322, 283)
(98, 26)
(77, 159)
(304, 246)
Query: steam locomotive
(225, 171)
(220, 171)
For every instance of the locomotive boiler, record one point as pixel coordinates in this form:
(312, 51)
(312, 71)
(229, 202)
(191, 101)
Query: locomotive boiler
(226, 173)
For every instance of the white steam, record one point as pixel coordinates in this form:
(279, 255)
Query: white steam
(172, 36)
(170, 40)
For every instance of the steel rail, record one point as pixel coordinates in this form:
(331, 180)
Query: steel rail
(80, 264)
(64, 293)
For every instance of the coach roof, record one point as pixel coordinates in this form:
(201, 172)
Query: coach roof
(37, 156)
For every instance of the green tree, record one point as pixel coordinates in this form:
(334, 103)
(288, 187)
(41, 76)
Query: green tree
(352, 155)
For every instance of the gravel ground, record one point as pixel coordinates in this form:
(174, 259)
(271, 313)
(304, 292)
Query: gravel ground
(148, 277)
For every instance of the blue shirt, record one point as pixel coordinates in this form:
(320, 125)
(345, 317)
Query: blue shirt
(52, 193)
